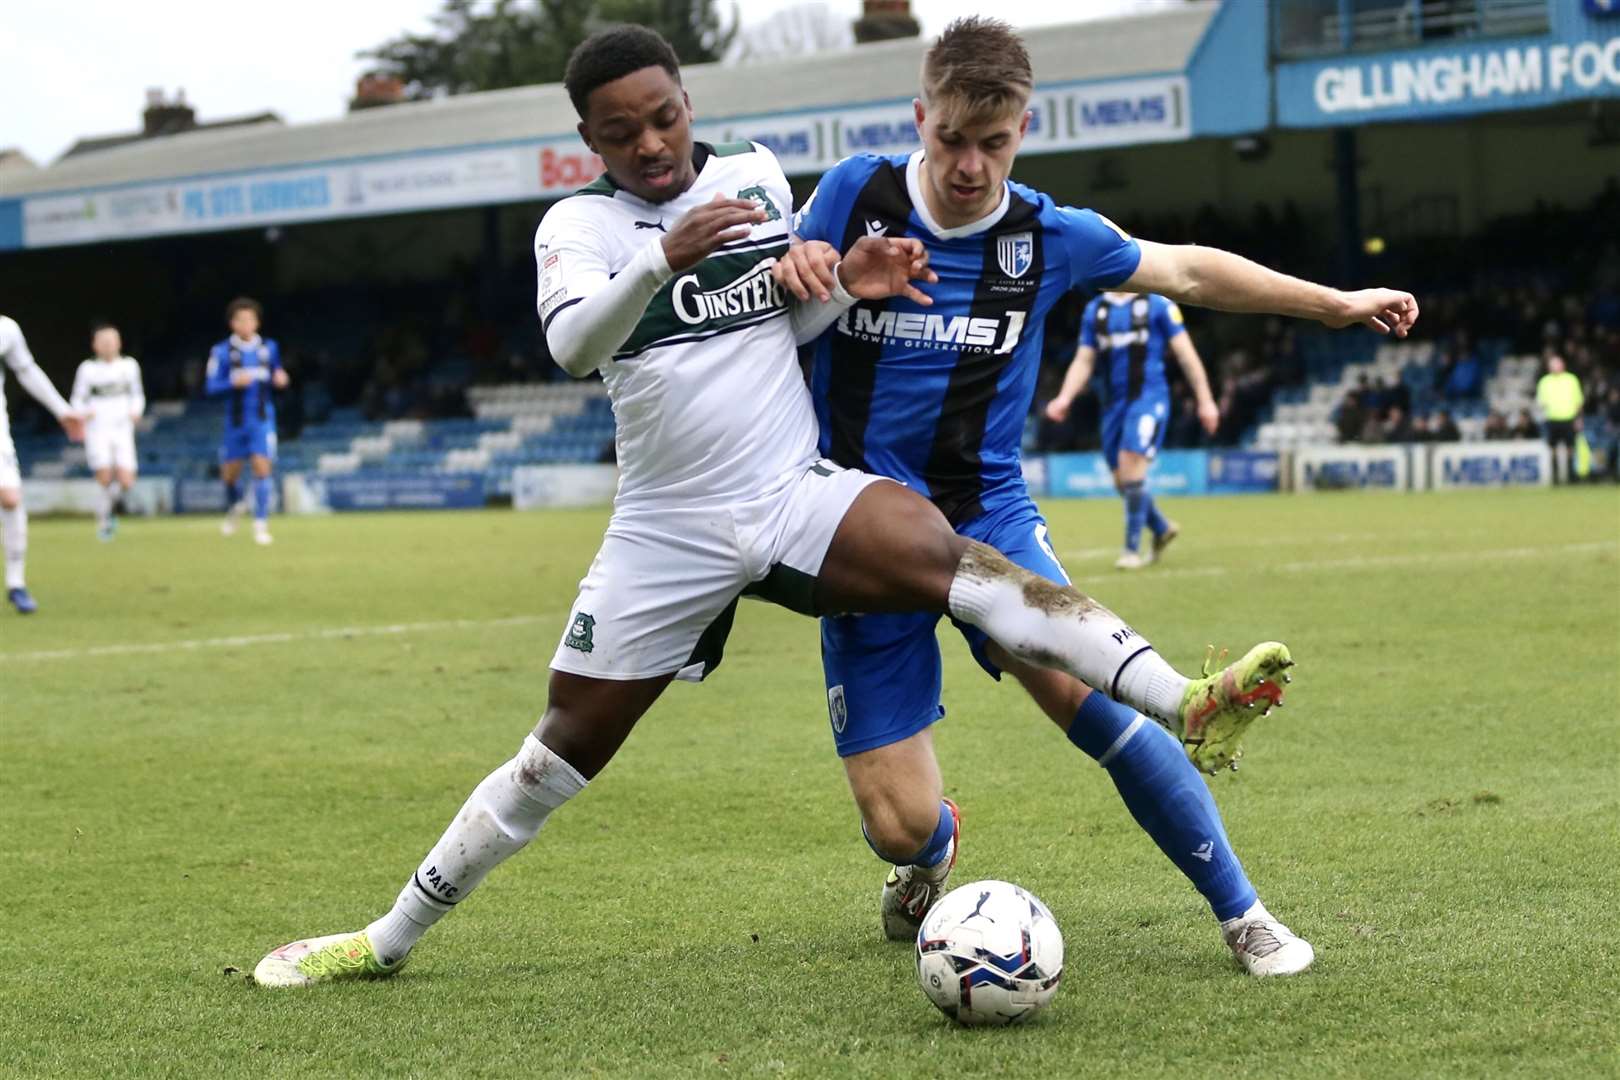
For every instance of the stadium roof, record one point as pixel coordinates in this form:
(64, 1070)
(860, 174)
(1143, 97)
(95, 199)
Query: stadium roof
(1154, 43)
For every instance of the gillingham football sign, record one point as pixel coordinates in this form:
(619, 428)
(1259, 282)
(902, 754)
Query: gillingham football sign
(1439, 82)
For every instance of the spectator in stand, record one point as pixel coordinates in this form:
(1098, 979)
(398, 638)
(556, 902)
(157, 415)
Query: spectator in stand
(1464, 373)
(1442, 428)
(1559, 395)
(1352, 417)
(1397, 427)
(1525, 427)
(1421, 432)
(1496, 427)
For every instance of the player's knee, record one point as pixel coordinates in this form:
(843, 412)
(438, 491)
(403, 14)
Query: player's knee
(899, 824)
(897, 840)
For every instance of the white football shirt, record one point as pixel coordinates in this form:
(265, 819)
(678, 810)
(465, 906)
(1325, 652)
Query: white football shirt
(708, 399)
(109, 392)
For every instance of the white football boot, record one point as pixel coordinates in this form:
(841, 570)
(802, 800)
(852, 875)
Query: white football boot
(233, 514)
(910, 891)
(261, 533)
(1129, 560)
(1264, 946)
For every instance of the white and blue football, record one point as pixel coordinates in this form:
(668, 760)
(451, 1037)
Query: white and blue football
(989, 953)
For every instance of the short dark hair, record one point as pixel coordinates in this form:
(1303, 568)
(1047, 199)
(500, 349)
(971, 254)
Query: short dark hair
(612, 54)
(244, 303)
(99, 325)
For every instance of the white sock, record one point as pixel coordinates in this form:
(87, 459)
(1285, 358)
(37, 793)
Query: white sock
(501, 815)
(14, 535)
(1054, 626)
(1150, 684)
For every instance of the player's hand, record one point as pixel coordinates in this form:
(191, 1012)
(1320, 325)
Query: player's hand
(1209, 416)
(73, 424)
(878, 267)
(134, 417)
(704, 228)
(1057, 410)
(242, 378)
(1388, 311)
(278, 378)
(808, 268)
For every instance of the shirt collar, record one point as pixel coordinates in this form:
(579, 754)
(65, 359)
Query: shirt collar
(915, 189)
(251, 343)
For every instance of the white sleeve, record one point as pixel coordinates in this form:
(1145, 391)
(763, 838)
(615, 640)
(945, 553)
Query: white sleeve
(586, 312)
(80, 397)
(138, 402)
(29, 375)
(810, 317)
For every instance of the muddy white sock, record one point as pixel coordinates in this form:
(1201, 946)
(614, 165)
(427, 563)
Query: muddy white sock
(1053, 626)
(501, 816)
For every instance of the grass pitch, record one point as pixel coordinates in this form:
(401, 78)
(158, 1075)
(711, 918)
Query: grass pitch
(207, 749)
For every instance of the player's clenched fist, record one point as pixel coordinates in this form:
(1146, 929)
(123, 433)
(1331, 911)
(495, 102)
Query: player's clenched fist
(1387, 311)
(808, 268)
(704, 228)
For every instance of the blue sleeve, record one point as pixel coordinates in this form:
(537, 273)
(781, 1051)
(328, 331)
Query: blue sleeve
(825, 214)
(218, 380)
(275, 353)
(1167, 317)
(1101, 254)
(1088, 325)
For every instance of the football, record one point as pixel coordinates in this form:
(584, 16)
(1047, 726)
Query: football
(989, 953)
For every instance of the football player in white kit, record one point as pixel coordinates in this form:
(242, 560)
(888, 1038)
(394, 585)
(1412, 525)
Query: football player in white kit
(13, 515)
(107, 392)
(659, 275)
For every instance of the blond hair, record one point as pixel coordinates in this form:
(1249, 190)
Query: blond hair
(978, 70)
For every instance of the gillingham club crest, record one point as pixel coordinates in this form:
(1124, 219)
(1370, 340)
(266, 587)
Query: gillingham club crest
(1014, 253)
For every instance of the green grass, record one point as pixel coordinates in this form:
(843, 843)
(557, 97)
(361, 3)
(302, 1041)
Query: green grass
(1437, 809)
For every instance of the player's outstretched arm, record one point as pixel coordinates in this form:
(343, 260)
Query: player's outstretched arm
(1074, 383)
(1209, 277)
(590, 315)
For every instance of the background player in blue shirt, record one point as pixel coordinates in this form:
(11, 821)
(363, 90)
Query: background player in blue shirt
(935, 395)
(246, 369)
(1130, 331)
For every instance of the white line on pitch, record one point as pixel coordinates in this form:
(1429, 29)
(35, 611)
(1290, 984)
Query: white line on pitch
(1368, 562)
(245, 640)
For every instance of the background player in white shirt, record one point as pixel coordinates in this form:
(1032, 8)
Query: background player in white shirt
(107, 392)
(13, 515)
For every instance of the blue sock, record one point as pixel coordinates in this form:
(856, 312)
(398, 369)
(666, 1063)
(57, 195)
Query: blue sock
(233, 493)
(1156, 522)
(261, 497)
(1167, 796)
(932, 852)
(1135, 513)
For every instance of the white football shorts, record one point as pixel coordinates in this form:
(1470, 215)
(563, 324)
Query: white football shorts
(661, 594)
(109, 447)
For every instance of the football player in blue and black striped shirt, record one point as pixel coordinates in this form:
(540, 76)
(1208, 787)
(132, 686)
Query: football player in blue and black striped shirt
(1131, 333)
(246, 370)
(935, 394)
